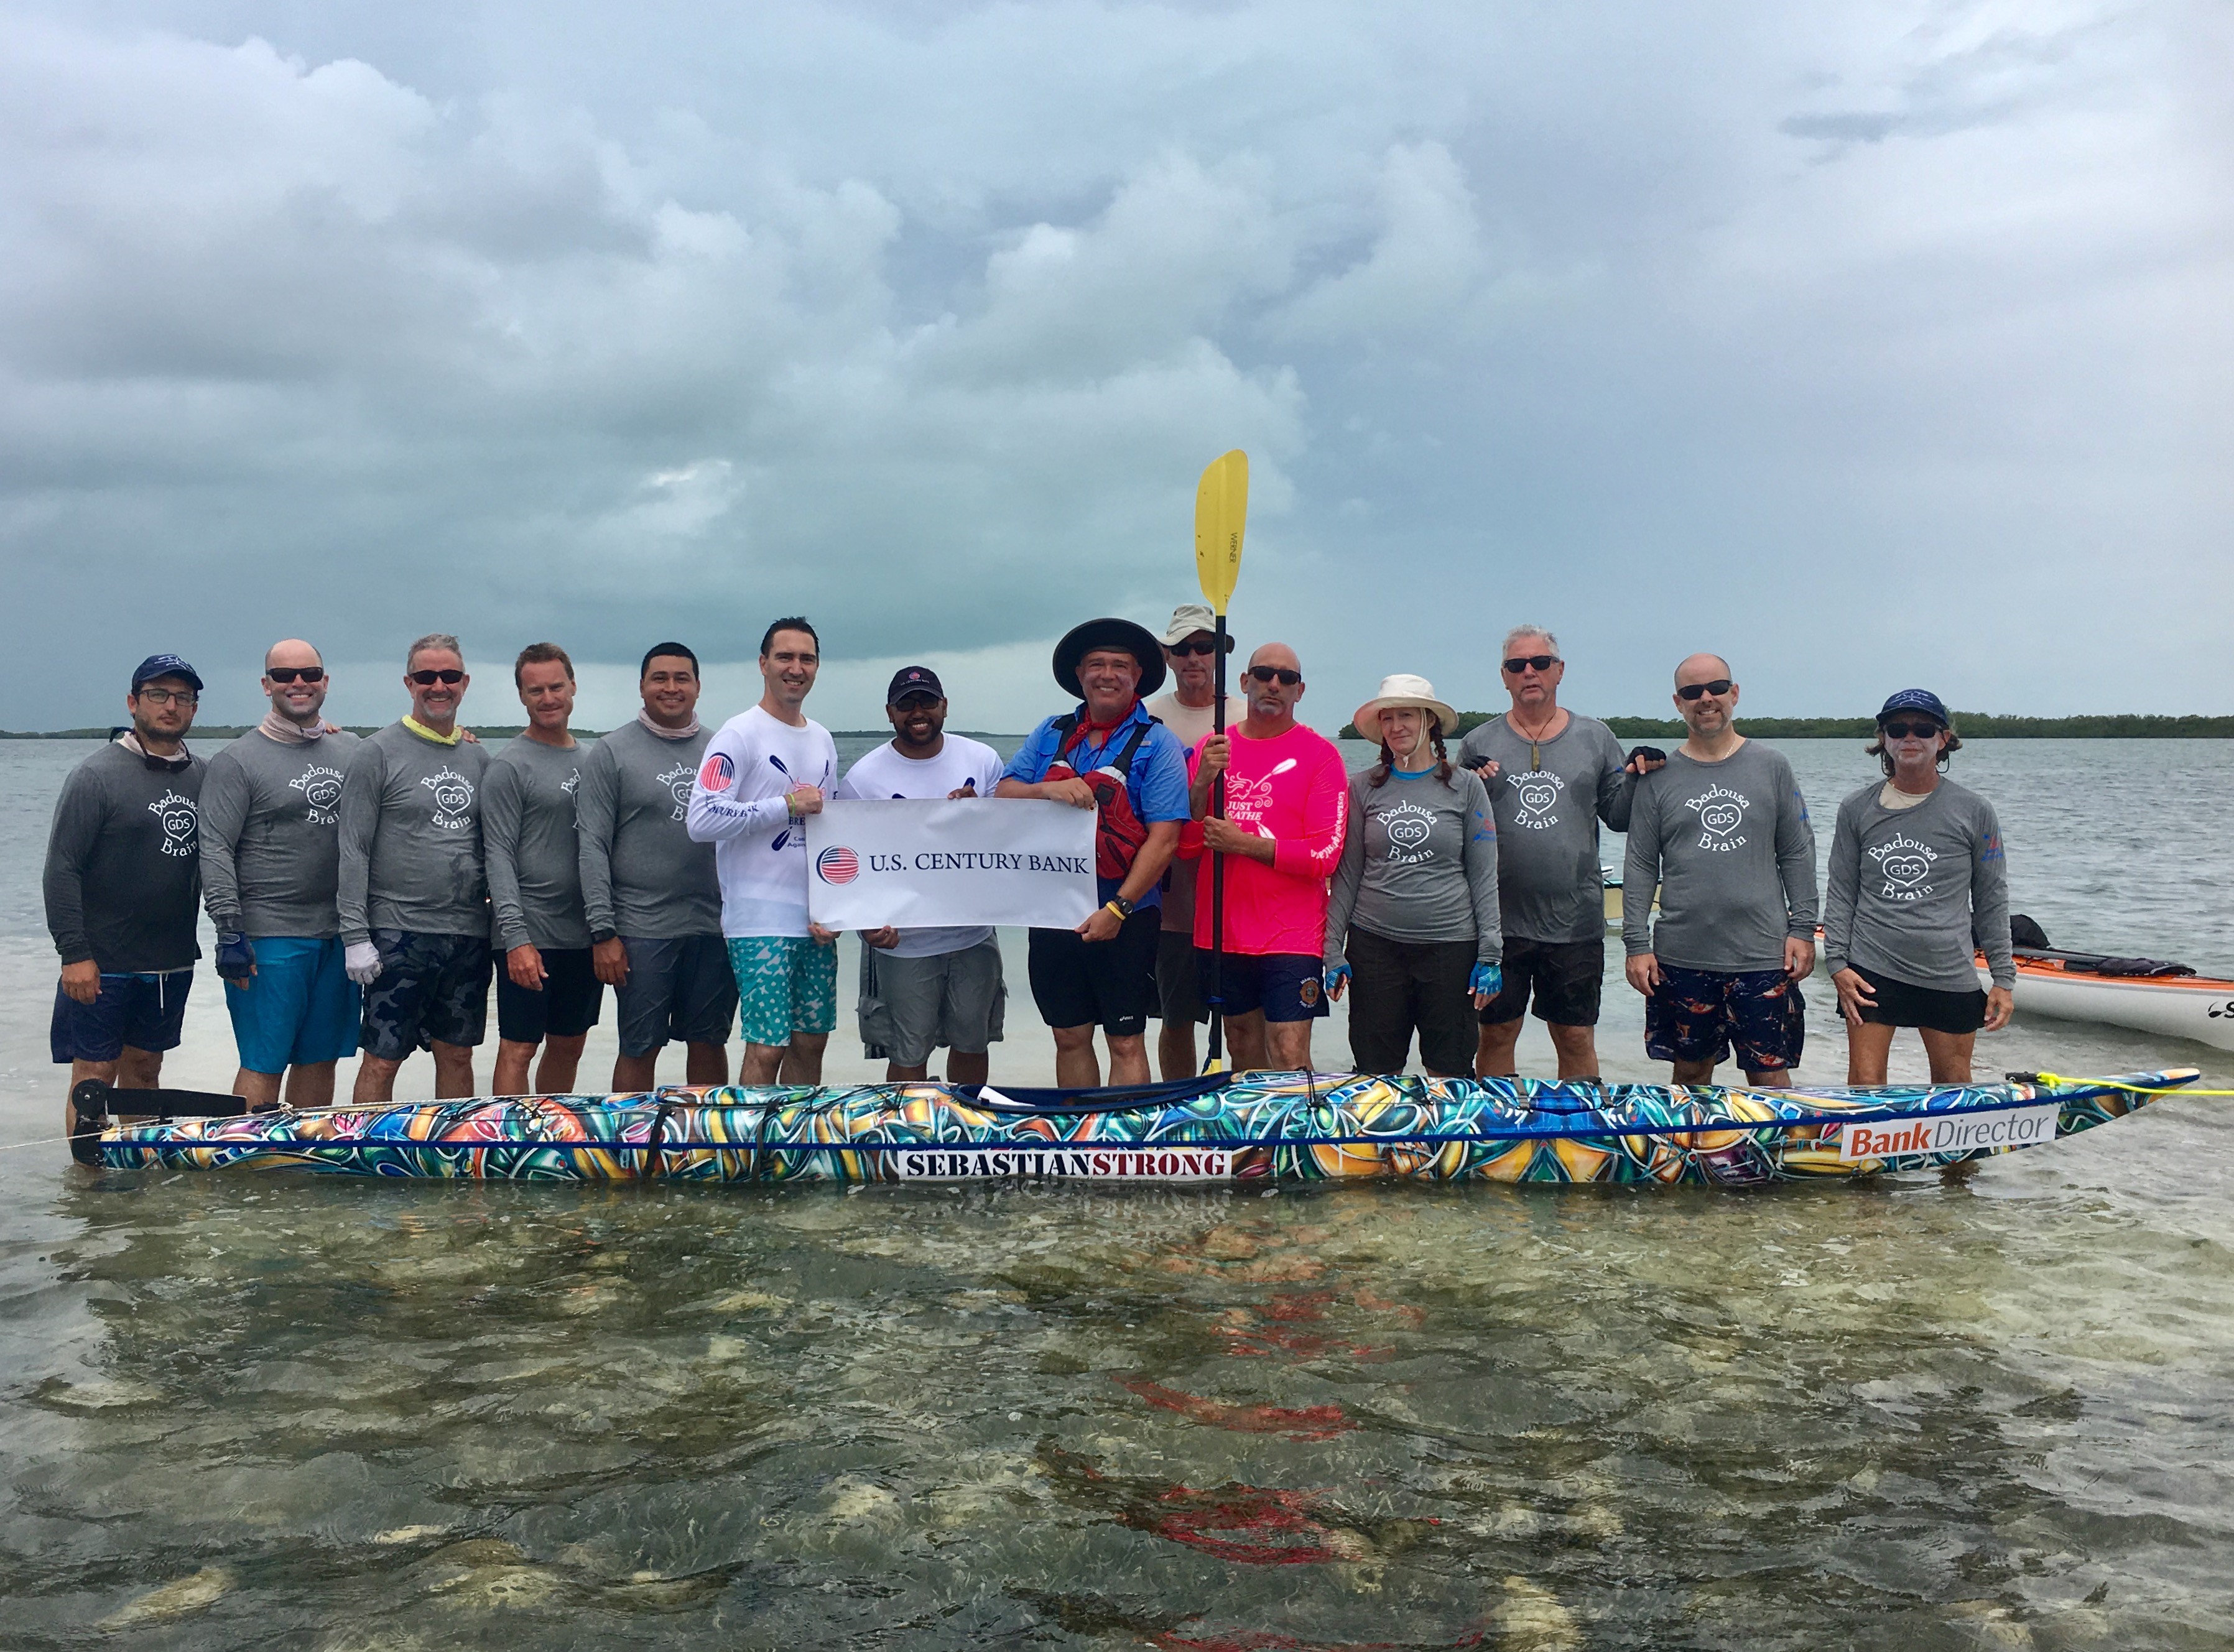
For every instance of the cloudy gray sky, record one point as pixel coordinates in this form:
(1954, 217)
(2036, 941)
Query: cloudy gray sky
(1870, 344)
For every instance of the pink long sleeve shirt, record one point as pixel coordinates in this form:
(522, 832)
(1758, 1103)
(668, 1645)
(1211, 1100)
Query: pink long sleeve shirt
(1292, 789)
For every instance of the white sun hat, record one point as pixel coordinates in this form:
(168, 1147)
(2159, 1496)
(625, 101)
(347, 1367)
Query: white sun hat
(1404, 689)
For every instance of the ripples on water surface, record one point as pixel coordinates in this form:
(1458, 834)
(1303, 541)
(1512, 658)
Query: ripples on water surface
(271, 1411)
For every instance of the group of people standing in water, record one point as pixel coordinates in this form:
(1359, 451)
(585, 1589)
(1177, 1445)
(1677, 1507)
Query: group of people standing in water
(364, 891)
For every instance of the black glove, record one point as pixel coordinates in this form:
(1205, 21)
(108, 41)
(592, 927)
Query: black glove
(236, 957)
(1650, 754)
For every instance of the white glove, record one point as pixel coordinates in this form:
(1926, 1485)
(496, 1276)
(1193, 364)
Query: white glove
(361, 962)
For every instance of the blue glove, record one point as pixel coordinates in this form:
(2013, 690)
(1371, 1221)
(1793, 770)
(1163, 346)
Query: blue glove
(1336, 976)
(1486, 977)
(236, 958)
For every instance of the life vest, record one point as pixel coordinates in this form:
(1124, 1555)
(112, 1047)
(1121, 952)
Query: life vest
(1118, 834)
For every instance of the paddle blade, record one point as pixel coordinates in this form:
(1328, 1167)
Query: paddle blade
(1221, 511)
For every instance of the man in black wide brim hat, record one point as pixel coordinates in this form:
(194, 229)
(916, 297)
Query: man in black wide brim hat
(1109, 755)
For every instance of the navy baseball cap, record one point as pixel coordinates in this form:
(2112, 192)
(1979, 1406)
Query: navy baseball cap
(1920, 699)
(165, 665)
(914, 679)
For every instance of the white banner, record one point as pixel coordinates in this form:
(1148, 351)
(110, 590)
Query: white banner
(925, 863)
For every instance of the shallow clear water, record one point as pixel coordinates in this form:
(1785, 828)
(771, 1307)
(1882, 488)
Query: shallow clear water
(243, 1411)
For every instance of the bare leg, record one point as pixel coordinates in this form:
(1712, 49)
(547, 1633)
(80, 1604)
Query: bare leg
(1868, 1046)
(962, 1068)
(1289, 1044)
(633, 1072)
(310, 1086)
(259, 1090)
(1949, 1054)
(1692, 1072)
(1128, 1059)
(707, 1064)
(375, 1081)
(562, 1060)
(901, 1073)
(802, 1060)
(1494, 1050)
(453, 1070)
(1075, 1065)
(511, 1076)
(760, 1063)
(1175, 1054)
(1775, 1078)
(135, 1069)
(1577, 1047)
(1244, 1041)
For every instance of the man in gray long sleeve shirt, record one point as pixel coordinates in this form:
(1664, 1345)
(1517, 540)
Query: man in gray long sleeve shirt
(547, 992)
(1721, 834)
(652, 897)
(413, 897)
(271, 859)
(1553, 776)
(1919, 885)
(121, 876)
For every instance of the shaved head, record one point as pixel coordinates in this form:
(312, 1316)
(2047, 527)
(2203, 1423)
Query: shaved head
(1702, 667)
(292, 651)
(1278, 656)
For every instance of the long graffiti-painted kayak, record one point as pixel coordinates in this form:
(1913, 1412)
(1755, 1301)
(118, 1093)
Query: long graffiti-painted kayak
(1251, 1129)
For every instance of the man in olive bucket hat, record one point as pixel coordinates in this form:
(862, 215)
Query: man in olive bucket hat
(1108, 755)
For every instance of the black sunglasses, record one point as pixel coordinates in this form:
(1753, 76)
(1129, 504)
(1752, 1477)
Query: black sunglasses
(1209, 645)
(429, 679)
(289, 673)
(1521, 662)
(1281, 675)
(1908, 730)
(1718, 687)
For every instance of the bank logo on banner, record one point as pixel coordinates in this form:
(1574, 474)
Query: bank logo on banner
(839, 865)
(950, 863)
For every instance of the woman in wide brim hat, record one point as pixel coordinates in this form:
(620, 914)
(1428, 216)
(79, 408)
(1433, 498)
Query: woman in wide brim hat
(1137, 640)
(1413, 917)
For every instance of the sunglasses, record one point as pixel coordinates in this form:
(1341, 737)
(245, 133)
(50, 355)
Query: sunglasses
(1521, 662)
(1909, 730)
(291, 673)
(1208, 645)
(1718, 687)
(1280, 675)
(429, 679)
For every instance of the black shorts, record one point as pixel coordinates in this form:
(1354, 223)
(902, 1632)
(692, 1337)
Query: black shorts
(1397, 988)
(1901, 1005)
(566, 1008)
(1283, 986)
(1178, 982)
(1705, 1015)
(1564, 976)
(431, 989)
(680, 989)
(1110, 984)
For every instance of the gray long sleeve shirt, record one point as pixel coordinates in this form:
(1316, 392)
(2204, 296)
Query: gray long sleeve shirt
(1729, 849)
(642, 876)
(1418, 862)
(1549, 796)
(533, 850)
(411, 838)
(123, 871)
(1915, 892)
(271, 834)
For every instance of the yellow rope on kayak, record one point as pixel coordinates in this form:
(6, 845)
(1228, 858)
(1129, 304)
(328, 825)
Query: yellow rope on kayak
(2136, 1089)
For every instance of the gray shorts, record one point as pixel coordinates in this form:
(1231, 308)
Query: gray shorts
(681, 989)
(911, 1006)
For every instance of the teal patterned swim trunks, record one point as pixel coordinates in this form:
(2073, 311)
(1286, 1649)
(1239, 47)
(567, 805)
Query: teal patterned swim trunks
(785, 984)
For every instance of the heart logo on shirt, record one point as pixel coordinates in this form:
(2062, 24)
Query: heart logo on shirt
(1905, 870)
(320, 791)
(452, 800)
(1718, 817)
(1535, 796)
(1408, 830)
(177, 825)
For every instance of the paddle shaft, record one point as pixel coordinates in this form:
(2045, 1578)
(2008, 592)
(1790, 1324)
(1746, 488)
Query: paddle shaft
(1214, 996)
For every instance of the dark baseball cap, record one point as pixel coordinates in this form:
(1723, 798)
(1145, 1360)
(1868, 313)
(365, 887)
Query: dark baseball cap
(165, 665)
(914, 679)
(1920, 699)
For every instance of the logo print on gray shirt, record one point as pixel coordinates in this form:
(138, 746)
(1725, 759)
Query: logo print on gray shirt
(677, 782)
(321, 788)
(1539, 792)
(1905, 864)
(453, 795)
(1722, 812)
(1408, 826)
(179, 817)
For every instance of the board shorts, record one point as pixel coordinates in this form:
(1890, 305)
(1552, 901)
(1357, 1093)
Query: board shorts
(1397, 988)
(1178, 982)
(1900, 1004)
(1563, 977)
(786, 984)
(1109, 984)
(431, 989)
(1705, 1015)
(137, 1011)
(1284, 986)
(911, 1007)
(681, 989)
(567, 1007)
(300, 1009)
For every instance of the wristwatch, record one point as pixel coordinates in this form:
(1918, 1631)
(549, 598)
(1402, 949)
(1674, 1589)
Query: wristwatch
(1122, 907)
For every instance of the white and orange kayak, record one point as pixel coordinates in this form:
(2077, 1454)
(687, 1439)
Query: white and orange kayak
(2073, 987)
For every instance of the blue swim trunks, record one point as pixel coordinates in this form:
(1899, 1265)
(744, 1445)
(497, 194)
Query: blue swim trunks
(144, 1011)
(1702, 1014)
(299, 1010)
(786, 984)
